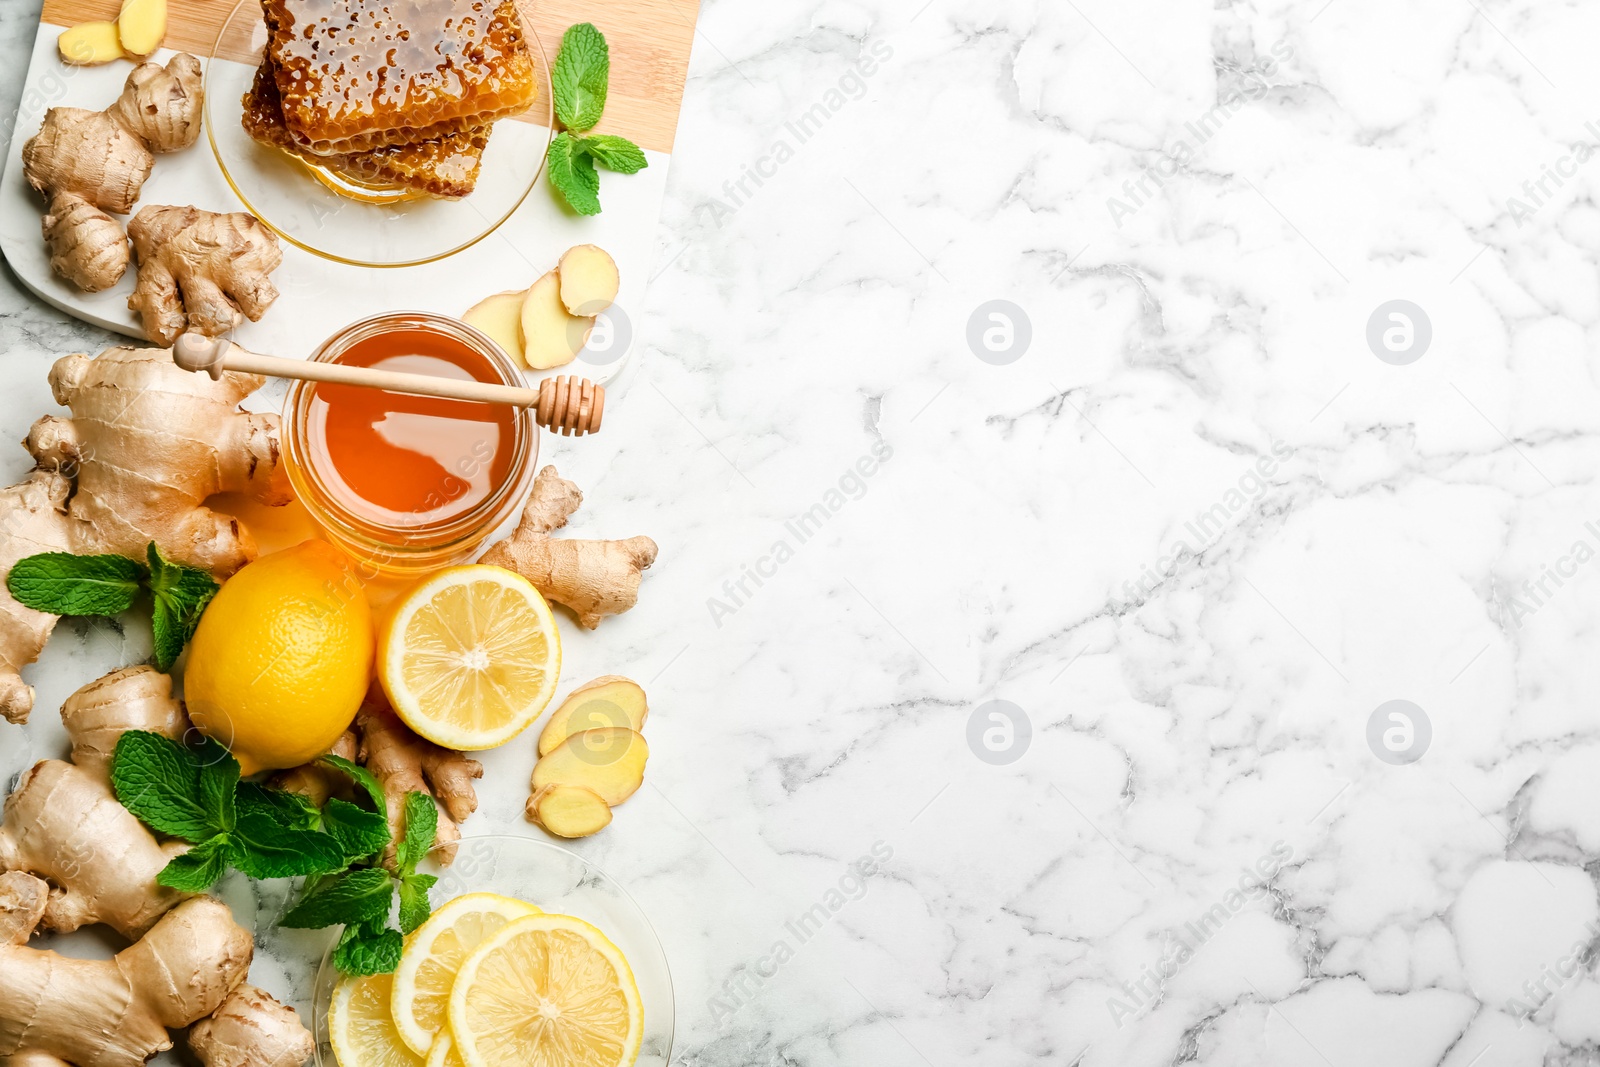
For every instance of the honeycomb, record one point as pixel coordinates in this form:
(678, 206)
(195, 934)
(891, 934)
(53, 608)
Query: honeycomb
(355, 75)
(445, 166)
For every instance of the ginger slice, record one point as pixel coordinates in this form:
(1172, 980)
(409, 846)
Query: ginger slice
(569, 810)
(551, 337)
(609, 762)
(141, 25)
(89, 44)
(589, 280)
(500, 318)
(610, 700)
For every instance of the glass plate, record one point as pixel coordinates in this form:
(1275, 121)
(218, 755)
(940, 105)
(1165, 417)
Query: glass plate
(557, 881)
(298, 202)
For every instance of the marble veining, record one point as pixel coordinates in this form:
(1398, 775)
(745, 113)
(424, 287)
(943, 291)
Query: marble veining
(1022, 672)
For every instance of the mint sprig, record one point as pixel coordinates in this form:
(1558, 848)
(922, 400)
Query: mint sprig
(196, 795)
(361, 898)
(62, 583)
(579, 81)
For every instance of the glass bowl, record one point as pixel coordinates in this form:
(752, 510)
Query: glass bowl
(298, 201)
(554, 880)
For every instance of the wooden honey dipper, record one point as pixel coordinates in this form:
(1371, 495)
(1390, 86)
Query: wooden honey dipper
(565, 405)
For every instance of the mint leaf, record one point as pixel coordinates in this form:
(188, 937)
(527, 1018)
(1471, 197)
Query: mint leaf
(179, 594)
(360, 833)
(359, 896)
(422, 824)
(64, 584)
(198, 869)
(218, 781)
(572, 173)
(368, 950)
(580, 75)
(615, 153)
(414, 904)
(265, 848)
(287, 809)
(159, 781)
(362, 777)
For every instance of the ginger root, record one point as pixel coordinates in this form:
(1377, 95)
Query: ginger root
(62, 822)
(201, 270)
(402, 762)
(113, 1013)
(33, 519)
(147, 443)
(593, 578)
(251, 1029)
(405, 763)
(98, 714)
(100, 160)
(87, 246)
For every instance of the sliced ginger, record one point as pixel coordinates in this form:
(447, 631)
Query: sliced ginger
(608, 762)
(551, 337)
(89, 44)
(500, 317)
(610, 700)
(141, 25)
(569, 810)
(589, 280)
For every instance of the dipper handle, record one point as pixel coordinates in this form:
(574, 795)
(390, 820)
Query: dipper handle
(566, 405)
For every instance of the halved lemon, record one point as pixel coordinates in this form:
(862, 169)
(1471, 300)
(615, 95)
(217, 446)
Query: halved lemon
(547, 991)
(469, 657)
(434, 953)
(360, 1027)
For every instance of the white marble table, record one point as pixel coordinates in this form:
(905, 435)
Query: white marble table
(1194, 532)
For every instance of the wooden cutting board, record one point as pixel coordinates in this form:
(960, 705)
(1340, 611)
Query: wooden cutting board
(649, 42)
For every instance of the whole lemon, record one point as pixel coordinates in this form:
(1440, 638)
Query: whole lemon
(282, 658)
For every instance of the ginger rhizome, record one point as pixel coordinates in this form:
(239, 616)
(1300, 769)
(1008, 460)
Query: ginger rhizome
(146, 444)
(201, 270)
(593, 578)
(72, 855)
(402, 763)
(86, 163)
(113, 1013)
(251, 1029)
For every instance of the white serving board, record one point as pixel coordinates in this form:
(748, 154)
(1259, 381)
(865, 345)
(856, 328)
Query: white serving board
(319, 296)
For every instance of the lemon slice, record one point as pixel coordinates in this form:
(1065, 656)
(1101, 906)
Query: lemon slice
(433, 955)
(443, 1053)
(469, 657)
(360, 1027)
(547, 991)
